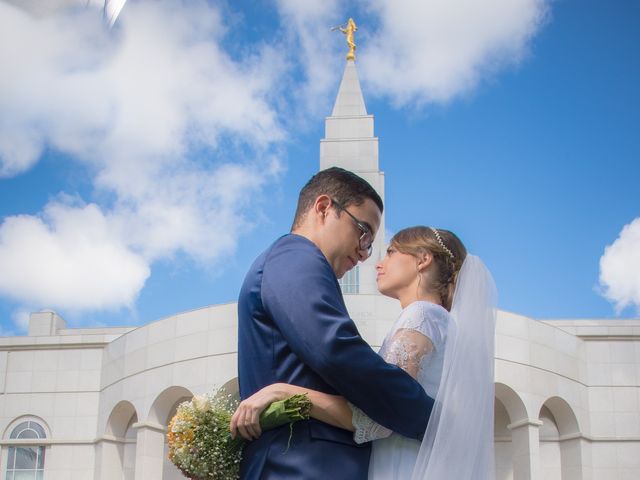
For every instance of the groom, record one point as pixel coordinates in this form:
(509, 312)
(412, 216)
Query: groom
(293, 327)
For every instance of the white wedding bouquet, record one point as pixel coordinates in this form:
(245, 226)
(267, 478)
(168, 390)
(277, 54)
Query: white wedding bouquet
(200, 443)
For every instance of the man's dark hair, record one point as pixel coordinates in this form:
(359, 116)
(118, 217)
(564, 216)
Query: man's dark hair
(341, 185)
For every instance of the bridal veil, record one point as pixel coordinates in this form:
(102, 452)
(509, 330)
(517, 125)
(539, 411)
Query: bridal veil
(458, 443)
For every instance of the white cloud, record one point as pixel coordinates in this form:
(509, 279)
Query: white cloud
(47, 7)
(71, 258)
(153, 89)
(311, 45)
(410, 51)
(620, 268)
(201, 213)
(433, 50)
(177, 135)
(20, 319)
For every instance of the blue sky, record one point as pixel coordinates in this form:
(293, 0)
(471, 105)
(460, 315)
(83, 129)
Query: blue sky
(143, 168)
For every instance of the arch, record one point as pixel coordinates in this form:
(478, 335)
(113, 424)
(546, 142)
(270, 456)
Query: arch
(512, 402)
(165, 402)
(549, 428)
(163, 409)
(26, 459)
(501, 420)
(560, 441)
(26, 418)
(117, 449)
(169, 470)
(503, 442)
(550, 448)
(120, 419)
(129, 450)
(565, 418)
(522, 447)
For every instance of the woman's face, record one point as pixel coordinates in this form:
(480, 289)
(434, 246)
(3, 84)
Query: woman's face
(397, 272)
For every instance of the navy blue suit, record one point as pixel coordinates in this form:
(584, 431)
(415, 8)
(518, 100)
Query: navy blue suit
(293, 327)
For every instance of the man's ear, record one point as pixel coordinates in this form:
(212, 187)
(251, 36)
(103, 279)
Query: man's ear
(424, 260)
(322, 205)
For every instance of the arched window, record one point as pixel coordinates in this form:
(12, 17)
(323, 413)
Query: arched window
(26, 462)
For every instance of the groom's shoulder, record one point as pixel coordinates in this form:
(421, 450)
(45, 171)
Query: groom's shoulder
(296, 249)
(292, 259)
(288, 253)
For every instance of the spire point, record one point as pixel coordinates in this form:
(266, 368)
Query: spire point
(349, 101)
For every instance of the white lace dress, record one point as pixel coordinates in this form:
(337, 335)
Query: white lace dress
(394, 456)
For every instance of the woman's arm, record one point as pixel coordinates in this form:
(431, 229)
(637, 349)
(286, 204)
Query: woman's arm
(331, 409)
(406, 351)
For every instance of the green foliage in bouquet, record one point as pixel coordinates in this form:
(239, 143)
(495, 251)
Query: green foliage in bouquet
(200, 444)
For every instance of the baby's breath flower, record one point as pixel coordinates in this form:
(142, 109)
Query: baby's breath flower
(200, 444)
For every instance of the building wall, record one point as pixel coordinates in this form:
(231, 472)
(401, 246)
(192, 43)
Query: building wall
(567, 393)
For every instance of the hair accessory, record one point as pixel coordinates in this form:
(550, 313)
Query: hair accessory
(439, 238)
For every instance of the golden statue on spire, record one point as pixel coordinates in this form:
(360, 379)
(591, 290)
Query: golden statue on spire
(349, 31)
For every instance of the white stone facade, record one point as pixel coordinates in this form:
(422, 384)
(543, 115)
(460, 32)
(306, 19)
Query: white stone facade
(567, 391)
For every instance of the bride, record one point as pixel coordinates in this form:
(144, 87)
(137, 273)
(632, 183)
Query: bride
(444, 339)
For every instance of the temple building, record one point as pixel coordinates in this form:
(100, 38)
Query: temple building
(93, 403)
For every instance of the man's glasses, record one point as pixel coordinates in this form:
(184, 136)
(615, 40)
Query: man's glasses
(366, 237)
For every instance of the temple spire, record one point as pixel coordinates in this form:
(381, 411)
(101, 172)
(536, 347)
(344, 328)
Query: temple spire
(349, 101)
(350, 143)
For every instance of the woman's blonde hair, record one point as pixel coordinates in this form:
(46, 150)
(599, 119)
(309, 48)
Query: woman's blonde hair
(448, 255)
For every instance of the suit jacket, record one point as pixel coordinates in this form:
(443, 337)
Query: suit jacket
(293, 327)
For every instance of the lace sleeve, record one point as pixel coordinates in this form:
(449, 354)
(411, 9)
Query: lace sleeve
(366, 430)
(406, 350)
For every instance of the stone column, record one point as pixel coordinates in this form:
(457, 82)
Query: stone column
(525, 439)
(109, 454)
(571, 454)
(149, 450)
